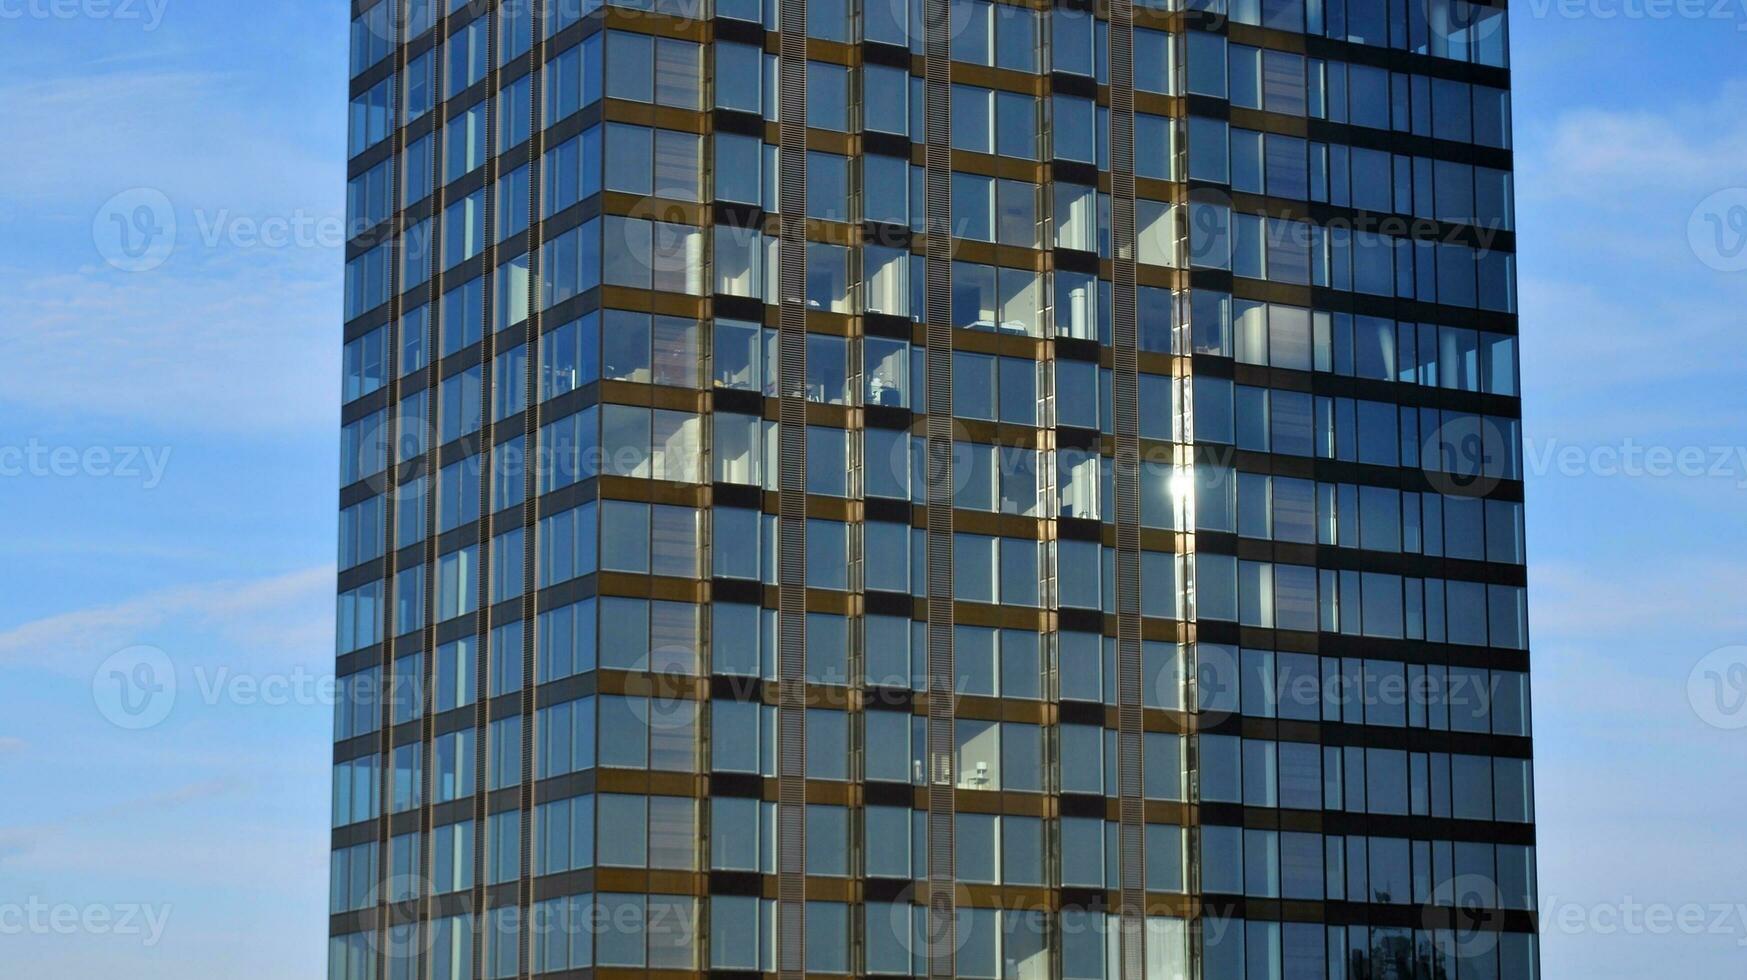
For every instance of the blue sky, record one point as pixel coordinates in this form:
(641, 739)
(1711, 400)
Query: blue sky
(203, 527)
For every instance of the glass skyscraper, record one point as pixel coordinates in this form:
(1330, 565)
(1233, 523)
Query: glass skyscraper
(931, 488)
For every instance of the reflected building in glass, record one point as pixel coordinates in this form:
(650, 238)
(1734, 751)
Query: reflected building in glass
(935, 488)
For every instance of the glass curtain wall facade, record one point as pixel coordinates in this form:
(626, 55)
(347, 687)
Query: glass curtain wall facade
(931, 488)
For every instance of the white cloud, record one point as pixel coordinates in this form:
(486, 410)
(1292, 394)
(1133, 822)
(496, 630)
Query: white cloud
(289, 614)
(1596, 154)
(1626, 328)
(1569, 601)
(228, 334)
(1608, 194)
(61, 544)
(1580, 337)
(196, 135)
(252, 350)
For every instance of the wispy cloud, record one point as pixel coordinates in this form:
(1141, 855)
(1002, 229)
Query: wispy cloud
(63, 545)
(204, 350)
(1608, 194)
(1588, 337)
(240, 324)
(1582, 601)
(153, 122)
(1681, 146)
(289, 613)
(87, 843)
(1627, 328)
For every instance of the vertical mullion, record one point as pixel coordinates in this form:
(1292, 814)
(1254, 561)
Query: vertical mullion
(487, 430)
(530, 434)
(1125, 381)
(483, 746)
(389, 483)
(791, 491)
(938, 475)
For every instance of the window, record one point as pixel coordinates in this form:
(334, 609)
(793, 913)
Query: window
(663, 71)
(372, 36)
(1155, 146)
(458, 494)
(357, 704)
(653, 931)
(510, 289)
(828, 744)
(368, 199)
(827, 186)
(1071, 40)
(372, 117)
(515, 110)
(457, 583)
(455, 674)
(366, 283)
(738, 162)
(361, 532)
(467, 55)
(572, 171)
(572, 79)
(738, 76)
(1073, 136)
(1282, 82)
(654, 162)
(575, 264)
(1016, 125)
(827, 96)
(507, 550)
(655, 255)
(567, 545)
(1155, 67)
(460, 410)
(570, 357)
(649, 349)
